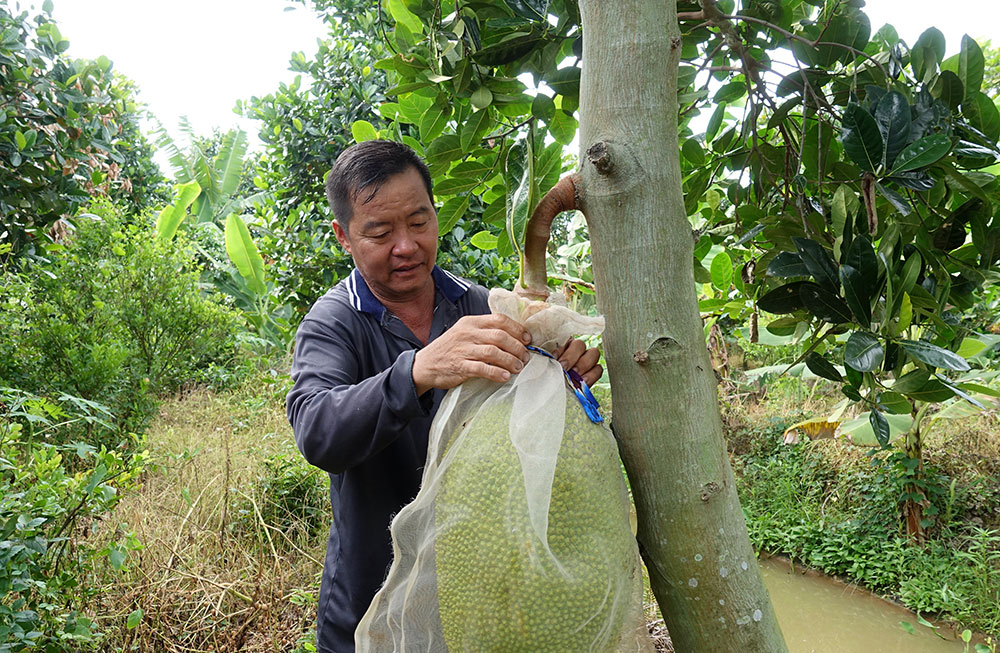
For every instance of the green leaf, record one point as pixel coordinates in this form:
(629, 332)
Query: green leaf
(483, 240)
(922, 153)
(863, 352)
(117, 558)
(228, 164)
(565, 81)
(722, 271)
(912, 381)
(787, 264)
(934, 356)
(481, 98)
(819, 263)
(880, 426)
(982, 115)
(948, 89)
(563, 127)
(895, 403)
(244, 254)
(20, 140)
(451, 212)
(171, 217)
(824, 304)
(861, 137)
(845, 205)
(784, 299)
(455, 185)
(400, 13)
(970, 66)
(543, 107)
(692, 152)
(821, 367)
(433, 122)
(100, 473)
(857, 293)
(362, 130)
(134, 618)
(730, 92)
(474, 129)
(970, 347)
(444, 149)
(927, 53)
(715, 122)
(861, 257)
(893, 117)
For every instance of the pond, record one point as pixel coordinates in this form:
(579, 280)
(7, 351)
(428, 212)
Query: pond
(819, 614)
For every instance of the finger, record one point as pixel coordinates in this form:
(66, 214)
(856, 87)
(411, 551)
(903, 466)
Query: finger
(483, 370)
(516, 330)
(497, 357)
(593, 376)
(571, 355)
(503, 341)
(587, 360)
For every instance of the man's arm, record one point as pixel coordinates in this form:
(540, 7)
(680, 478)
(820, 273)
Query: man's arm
(341, 419)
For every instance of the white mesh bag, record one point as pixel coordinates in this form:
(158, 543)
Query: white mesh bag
(519, 538)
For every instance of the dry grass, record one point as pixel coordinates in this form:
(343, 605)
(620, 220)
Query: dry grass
(203, 583)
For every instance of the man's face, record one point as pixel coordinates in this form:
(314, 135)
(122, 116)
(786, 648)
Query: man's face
(393, 238)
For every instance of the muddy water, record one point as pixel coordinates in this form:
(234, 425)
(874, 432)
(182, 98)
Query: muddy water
(822, 615)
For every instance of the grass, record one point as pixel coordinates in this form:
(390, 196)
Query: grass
(221, 567)
(833, 506)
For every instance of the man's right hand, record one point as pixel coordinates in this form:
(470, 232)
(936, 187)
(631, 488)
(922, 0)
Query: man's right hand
(478, 346)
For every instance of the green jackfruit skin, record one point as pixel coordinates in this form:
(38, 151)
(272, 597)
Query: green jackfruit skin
(498, 589)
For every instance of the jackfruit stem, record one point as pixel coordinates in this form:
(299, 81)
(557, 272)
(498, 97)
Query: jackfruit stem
(562, 197)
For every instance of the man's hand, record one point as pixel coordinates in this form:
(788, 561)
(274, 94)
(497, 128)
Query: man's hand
(478, 346)
(575, 355)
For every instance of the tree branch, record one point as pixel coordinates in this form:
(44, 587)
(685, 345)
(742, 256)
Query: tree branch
(562, 197)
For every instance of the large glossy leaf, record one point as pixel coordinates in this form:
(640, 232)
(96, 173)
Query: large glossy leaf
(927, 53)
(825, 305)
(880, 426)
(982, 115)
(229, 162)
(444, 149)
(451, 212)
(400, 13)
(244, 254)
(530, 9)
(863, 352)
(970, 66)
(563, 127)
(170, 218)
(722, 271)
(861, 257)
(893, 118)
(948, 88)
(819, 366)
(861, 137)
(819, 263)
(934, 356)
(784, 299)
(787, 264)
(857, 293)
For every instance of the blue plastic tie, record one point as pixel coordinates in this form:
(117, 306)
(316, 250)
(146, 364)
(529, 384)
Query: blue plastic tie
(580, 389)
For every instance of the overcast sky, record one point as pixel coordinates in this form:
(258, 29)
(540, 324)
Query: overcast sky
(197, 57)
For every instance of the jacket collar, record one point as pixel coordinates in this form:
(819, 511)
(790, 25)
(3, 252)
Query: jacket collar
(364, 300)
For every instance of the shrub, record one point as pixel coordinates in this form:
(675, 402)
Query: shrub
(116, 317)
(289, 495)
(50, 495)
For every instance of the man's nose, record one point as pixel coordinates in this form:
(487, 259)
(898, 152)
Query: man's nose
(405, 245)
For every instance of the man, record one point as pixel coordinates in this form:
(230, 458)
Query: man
(373, 359)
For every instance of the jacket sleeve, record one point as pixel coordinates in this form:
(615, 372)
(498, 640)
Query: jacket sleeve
(340, 419)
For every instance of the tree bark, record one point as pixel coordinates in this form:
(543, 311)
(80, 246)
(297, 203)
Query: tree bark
(692, 533)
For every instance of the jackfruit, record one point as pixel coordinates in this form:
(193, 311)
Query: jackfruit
(500, 587)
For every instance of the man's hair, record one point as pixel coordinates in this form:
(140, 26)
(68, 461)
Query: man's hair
(362, 169)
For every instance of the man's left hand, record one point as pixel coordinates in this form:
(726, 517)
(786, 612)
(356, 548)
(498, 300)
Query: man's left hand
(575, 355)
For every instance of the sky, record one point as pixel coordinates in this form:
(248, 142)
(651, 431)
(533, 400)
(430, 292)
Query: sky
(197, 57)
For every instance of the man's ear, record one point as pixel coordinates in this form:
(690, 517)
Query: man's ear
(342, 236)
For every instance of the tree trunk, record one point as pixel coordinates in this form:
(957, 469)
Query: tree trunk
(692, 533)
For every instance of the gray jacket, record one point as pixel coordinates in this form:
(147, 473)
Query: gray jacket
(356, 414)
